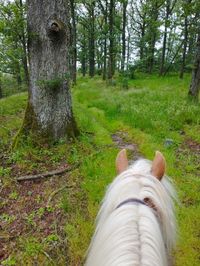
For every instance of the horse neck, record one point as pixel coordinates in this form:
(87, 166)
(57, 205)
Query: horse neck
(139, 222)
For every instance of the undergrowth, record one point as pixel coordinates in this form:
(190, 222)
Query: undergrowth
(156, 115)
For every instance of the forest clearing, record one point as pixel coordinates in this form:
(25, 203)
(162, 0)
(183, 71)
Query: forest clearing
(62, 222)
(100, 132)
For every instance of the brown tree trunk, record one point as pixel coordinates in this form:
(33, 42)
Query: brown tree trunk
(195, 82)
(105, 41)
(91, 8)
(125, 2)
(74, 50)
(49, 111)
(184, 47)
(128, 50)
(24, 45)
(165, 37)
(142, 41)
(111, 61)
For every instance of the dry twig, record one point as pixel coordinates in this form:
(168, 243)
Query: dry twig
(47, 174)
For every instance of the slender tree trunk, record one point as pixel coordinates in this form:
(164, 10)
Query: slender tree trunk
(74, 50)
(175, 55)
(105, 58)
(111, 61)
(92, 40)
(184, 47)
(128, 51)
(153, 31)
(152, 51)
(83, 68)
(124, 35)
(105, 43)
(165, 37)
(195, 82)
(142, 40)
(24, 45)
(84, 52)
(49, 111)
(18, 73)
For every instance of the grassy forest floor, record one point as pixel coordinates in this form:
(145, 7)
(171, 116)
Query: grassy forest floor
(49, 221)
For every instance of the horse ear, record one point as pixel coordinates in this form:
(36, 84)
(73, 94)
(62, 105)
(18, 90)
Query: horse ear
(158, 165)
(121, 161)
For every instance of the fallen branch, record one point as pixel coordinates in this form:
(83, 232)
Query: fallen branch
(47, 174)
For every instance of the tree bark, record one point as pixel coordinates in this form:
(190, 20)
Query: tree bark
(195, 82)
(153, 32)
(105, 42)
(165, 37)
(49, 111)
(91, 39)
(111, 61)
(184, 47)
(24, 45)
(128, 50)
(74, 50)
(125, 2)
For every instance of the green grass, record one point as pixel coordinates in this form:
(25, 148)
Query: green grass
(152, 111)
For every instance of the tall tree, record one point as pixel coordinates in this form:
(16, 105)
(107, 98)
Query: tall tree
(83, 47)
(111, 60)
(124, 20)
(152, 35)
(195, 82)
(104, 9)
(90, 6)
(49, 111)
(169, 6)
(23, 38)
(186, 8)
(73, 41)
(13, 56)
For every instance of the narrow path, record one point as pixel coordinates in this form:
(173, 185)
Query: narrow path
(122, 140)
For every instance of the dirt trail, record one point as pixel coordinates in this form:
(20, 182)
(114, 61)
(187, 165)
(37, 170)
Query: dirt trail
(122, 140)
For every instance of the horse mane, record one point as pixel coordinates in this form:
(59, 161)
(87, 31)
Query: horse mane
(135, 234)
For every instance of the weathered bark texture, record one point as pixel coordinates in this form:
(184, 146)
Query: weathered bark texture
(184, 47)
(152, 37)
(73, 36)
(24, 45)
(49, 111)
(195, 83)
(165, 36)
(91, 45)
(104, 10)
(185, 43)
(111, 61)
(125, 3)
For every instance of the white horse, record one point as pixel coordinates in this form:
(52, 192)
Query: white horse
(136, 222)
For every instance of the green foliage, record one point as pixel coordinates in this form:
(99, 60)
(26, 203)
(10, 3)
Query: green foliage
(14, 195)
(150, 112)
(4, 171)
(7, 218)
(53, 238)
(32, 247)
(10, 261)
(13, 39)
(52, 84)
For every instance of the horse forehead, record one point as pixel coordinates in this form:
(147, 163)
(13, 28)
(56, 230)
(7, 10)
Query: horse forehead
(142, 166)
